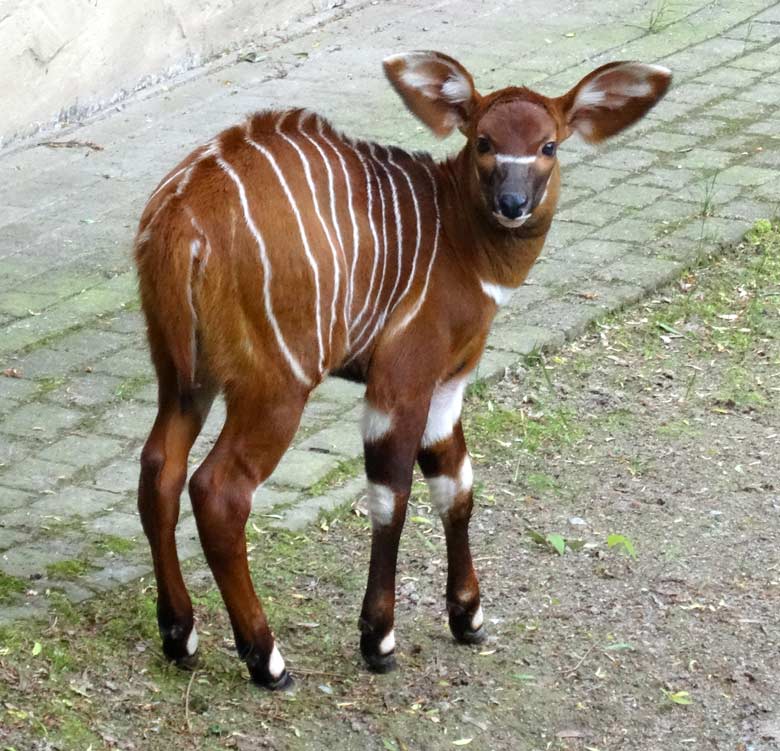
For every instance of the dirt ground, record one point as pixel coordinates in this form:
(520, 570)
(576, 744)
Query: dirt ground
(627, 536)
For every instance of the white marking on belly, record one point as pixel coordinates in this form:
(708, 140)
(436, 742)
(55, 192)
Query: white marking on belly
(304, 238)
(497, 292)
(276, 663)
(292, 361)
(375, 423)
(381, 504)
(387, 645)
(192, 642)
(444, 411)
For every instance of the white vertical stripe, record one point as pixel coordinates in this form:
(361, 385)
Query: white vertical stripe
(378, 298)
(399, 234)
(304, 238)
(421, 299)
(292, 361)
(413, 271)
(333, 212)
(313, 190)
(374, 235)
(350, 204)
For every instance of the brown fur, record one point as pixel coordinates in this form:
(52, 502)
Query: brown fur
(206, 292)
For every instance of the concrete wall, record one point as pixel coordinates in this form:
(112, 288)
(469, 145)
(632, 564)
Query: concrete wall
(63, 59)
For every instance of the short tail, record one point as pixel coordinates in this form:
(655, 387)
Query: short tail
(164, 260)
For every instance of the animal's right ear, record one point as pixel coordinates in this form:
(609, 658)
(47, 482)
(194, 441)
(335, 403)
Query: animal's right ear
(435, 88)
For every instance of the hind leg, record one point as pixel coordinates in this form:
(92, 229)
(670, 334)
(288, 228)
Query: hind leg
(163, 473)
(260, 425)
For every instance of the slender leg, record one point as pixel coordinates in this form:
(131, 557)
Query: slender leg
(391, 437)
(447, 470)
(258, 429)
(163, 473)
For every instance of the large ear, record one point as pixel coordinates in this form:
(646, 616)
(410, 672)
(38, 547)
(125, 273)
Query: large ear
(436, 88)
(611, 98)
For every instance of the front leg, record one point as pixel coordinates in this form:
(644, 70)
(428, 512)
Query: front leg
(391, 437)
(445, 463)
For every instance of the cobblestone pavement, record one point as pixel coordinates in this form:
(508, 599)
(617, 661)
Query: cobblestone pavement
(78, 396)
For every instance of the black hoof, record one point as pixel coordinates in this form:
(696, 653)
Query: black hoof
(188, 662)
(380, 663)
(284, 682)
(469, 636)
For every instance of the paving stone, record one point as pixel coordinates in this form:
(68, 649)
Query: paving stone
(120, 476)
(74, 501)
(643, 272)
(87, 390)
(35, 475)
(301, 469)
(342, 392)
(265, 498)
(597, 211)
(119, 524)
(706, 159)
(17, 389)
(341, 439)
(82, 450)
(49, 363)
(40, 421)
(514, 336)
(632, 196)
(309, 509)
(629, 230)
(129, 363)
(10, 538)
(128, 420)
(744, 175)
(13, 498)
(31, 559)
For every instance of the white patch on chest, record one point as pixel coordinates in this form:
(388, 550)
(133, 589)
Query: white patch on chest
(497, 292)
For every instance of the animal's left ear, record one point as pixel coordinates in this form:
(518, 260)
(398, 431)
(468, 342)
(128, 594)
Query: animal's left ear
(611, 98)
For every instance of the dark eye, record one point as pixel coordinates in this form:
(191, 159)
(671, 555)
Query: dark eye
(483, 145)
(549, 148)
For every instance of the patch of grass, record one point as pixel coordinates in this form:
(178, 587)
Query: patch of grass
(541, 483)
(131, 386)
(71, 568)
(10, 586)
(660, 17)
(343, 471)
(114, 544)
(678, 429)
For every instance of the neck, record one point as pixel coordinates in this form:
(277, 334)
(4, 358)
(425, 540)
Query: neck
(498, 255)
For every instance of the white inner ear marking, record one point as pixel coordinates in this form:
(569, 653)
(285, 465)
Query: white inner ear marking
(381, 504)
(590, 95)
(456, 89)
(192, 642)
(387, 645)
(477, 619)
(275, 663)
(510, 159)
(497, 292)
(444, 411)
(375, 423)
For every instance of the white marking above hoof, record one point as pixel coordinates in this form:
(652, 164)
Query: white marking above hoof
(381, 504)
(387, 645)
(192, 642)
(276, 663)
(477, 619)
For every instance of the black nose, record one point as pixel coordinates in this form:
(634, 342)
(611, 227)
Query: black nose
(512, 204)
